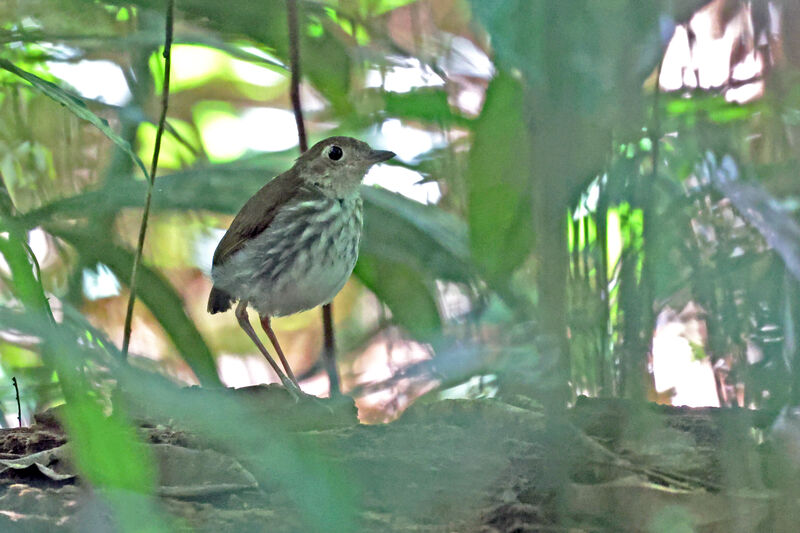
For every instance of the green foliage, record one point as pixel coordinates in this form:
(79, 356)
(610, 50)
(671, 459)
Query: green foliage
(410, 300)
(75, 106)
(424, 105)
(575, 189)
(499, 203)
(155, 292)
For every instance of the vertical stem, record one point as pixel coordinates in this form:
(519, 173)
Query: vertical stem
(126, 339)
(19, 406)
(294, 63)
(607, 386)
(329, 346)
(791, 320)
(329, 350)
(647, 280)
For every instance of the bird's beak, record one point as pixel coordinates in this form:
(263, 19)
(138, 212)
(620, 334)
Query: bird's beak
(377, 156)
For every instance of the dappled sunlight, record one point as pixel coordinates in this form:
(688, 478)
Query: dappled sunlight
(385, 357)
(681, 370)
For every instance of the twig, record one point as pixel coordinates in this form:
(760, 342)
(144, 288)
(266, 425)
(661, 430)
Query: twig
(671, 479)
(294, 62)
(151, 183)
(329, 347)
(19, 406)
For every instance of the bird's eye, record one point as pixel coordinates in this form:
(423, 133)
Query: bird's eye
(335, 153)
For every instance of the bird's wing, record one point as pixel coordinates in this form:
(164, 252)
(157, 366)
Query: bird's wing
(256, 215)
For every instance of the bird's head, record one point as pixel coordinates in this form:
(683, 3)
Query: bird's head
(338, 164)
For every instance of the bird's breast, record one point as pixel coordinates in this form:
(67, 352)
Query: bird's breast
(301, 260)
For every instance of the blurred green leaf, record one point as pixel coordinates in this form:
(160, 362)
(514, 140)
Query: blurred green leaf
(223, 188)
(424, 237)
(22, 264)
(106, 448)
(499, 182)
(156, 293)
(398, 229)
(412, 302)
(325, 58)
(578, 54)
(76, 106)
(426, 105)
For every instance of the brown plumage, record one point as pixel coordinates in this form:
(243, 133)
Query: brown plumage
(252, 219)
(294, 243)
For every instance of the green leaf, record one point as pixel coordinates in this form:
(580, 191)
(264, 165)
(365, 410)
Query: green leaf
(423, 237)
(76, 106)
(223, 188)
(24, 283)
(325, 58)
(403, 240)
(105, 448)
(425, 105)
(411, 301)
(156, 293)
(499, 182)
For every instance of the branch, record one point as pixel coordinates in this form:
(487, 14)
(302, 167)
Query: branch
(294, 62)
(126, 339)
(19, 405)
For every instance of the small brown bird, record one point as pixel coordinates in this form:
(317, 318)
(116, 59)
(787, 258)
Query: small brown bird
(295, 242)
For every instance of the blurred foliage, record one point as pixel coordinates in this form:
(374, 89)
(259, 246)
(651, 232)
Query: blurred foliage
(579, 200)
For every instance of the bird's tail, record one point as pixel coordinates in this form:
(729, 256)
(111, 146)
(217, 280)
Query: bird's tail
(219, 301)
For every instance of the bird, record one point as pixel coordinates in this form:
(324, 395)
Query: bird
(295, 242)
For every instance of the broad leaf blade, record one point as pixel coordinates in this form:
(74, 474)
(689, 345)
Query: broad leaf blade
(499, 182)
(156, 293)
(411, 301)
(417, 242)
(76, 106)
(426, 105)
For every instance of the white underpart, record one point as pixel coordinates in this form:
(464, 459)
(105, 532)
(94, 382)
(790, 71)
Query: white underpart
(295, 265)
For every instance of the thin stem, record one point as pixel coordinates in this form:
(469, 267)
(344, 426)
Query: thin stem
(294, 62)
(329, 345)
(329, 350)
(19, 405)
(151, 183)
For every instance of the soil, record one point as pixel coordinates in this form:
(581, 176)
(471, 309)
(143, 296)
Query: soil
(483, 466)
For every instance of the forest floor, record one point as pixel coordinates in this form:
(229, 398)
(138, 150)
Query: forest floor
(446, 466)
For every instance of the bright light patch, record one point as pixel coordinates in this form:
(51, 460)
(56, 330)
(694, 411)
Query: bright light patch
(404, 181)
(204, 246)
(192, 65)
(223, 136)
(99, 283)
(676, 58)
(228, 136)
(407, 142)
(37, 240)
(402, 79)
(96, 80)
(466, 59)
(256, 74)
(267, 129)
(470, 101)
(614, 241)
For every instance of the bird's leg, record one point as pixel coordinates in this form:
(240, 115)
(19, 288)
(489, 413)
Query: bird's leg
(244, 322)
(265, 323)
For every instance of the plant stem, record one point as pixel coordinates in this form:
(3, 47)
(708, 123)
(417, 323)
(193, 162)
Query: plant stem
(329, 346)
(126, 339)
